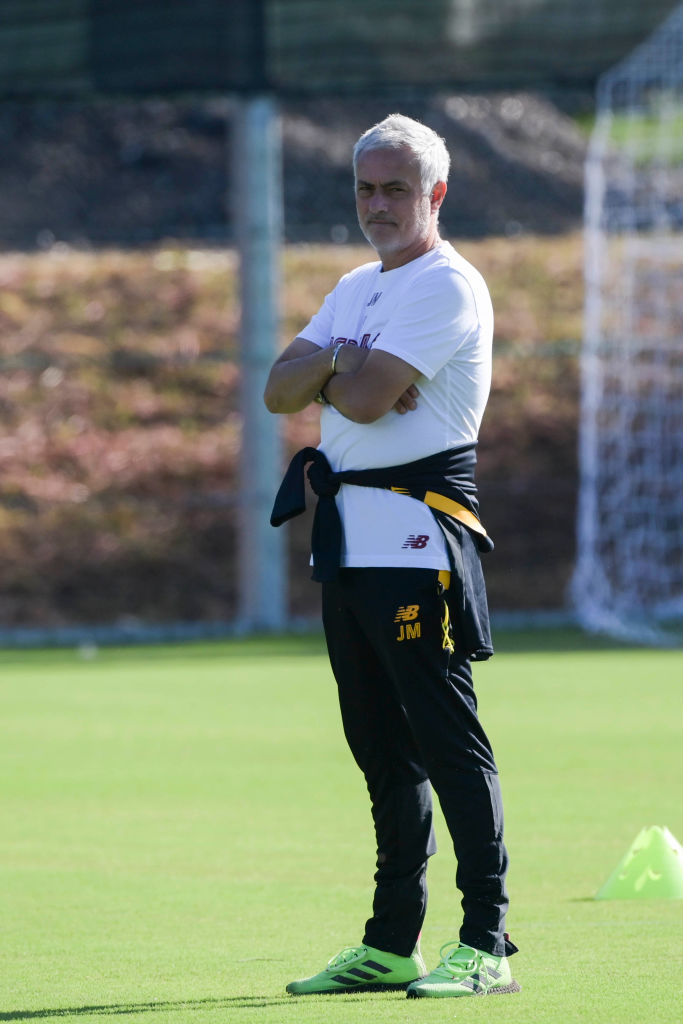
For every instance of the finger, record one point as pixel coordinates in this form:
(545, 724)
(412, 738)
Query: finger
(405, 404)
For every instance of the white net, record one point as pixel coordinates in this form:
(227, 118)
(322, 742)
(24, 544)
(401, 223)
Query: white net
(628, 579)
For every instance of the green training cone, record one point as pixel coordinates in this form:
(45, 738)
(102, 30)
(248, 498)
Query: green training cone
(652, 869)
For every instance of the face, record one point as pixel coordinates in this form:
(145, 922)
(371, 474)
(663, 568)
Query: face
(397, 219)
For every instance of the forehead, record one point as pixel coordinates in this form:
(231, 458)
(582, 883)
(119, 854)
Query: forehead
(379, 166)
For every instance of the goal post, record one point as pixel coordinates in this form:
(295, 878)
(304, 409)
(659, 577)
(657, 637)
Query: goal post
(628, 578)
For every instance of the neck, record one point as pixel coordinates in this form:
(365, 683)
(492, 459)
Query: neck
(394, 260)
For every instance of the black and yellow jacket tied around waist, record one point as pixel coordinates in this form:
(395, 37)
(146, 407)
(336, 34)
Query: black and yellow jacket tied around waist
(444, 482)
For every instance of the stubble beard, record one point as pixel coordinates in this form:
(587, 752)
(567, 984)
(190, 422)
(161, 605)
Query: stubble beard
(394, 242)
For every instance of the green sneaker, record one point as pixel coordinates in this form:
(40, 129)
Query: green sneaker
(361, 968)
(465, 971)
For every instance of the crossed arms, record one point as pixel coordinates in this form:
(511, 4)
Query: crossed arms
(365, 385)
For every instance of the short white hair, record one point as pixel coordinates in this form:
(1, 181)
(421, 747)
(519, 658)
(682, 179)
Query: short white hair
(400, 132)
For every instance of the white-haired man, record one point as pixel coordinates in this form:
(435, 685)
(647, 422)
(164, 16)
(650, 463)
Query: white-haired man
(399, 356)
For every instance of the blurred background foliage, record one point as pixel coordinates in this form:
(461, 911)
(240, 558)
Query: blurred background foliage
(119, 406)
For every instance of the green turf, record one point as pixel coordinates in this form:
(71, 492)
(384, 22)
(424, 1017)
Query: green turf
(182, 831)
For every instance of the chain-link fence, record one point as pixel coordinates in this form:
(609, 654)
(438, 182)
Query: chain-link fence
(305, 46)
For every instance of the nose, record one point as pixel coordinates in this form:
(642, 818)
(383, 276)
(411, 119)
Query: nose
(377, 203)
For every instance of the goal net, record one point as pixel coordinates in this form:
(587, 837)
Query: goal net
(628, 579)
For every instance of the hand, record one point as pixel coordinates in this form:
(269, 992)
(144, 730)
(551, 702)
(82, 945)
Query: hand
(407, 400)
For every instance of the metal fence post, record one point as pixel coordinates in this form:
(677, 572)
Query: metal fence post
(258, 220)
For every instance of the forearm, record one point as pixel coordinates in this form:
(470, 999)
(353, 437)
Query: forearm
(367, 387)
(347, 395)
(344, 386)
(294, 382)
(361, 386)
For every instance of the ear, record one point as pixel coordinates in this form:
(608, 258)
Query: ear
(437, 195)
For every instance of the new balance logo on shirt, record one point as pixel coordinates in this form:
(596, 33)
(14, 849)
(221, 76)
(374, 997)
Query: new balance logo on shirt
(416, 541)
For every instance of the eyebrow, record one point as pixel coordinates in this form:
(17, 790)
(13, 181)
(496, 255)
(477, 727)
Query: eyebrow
(383, 184)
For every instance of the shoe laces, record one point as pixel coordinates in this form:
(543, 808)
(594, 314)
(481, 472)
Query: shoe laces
(346, 955)
(459, 962)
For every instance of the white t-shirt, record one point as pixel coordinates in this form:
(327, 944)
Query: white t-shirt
(435, 313)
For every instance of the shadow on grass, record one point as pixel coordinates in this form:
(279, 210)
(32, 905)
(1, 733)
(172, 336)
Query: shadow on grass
(121, 1009)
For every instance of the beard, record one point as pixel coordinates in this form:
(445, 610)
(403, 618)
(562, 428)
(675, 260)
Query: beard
(393, 238)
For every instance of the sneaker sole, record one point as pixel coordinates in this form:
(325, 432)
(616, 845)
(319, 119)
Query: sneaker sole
(500, 991)
(397, 987)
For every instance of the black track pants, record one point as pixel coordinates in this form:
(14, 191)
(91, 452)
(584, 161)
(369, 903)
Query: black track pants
(410, 718)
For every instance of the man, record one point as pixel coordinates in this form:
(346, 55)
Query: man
(399, 356)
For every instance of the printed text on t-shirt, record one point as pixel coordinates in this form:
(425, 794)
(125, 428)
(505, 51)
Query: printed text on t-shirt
(365, 341)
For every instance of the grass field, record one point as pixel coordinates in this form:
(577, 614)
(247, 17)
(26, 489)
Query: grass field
(182, 831)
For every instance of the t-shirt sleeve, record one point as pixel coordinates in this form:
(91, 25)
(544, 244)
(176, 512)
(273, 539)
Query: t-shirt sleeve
(435, 317)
